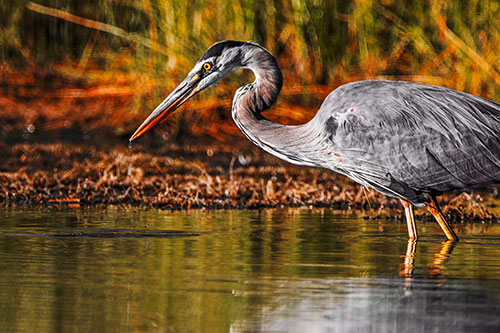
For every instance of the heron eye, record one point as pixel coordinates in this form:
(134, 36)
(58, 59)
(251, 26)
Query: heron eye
(207, 66)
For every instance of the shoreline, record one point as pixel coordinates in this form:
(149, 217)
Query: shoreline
(194, 175)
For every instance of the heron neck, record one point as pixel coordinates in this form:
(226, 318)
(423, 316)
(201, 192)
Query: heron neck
(291, 143)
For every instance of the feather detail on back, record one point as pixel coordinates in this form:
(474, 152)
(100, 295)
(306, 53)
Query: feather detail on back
(431, 139)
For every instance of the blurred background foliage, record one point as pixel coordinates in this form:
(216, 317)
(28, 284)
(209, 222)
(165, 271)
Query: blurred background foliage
(108, 63)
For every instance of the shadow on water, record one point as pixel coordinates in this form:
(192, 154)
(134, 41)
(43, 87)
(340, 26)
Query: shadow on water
(279, 270)
(109, 233)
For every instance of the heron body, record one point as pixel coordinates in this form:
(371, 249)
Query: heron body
(406, 140)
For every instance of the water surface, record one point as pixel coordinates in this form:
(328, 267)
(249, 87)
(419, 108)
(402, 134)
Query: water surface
(279, 270)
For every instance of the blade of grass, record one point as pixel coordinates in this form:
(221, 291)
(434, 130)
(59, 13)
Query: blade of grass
(473, 55)
(95, 25)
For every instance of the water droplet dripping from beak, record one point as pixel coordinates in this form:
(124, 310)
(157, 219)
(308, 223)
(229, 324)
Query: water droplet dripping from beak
(129, 144)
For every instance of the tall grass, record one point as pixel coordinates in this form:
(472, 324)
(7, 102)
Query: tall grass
(151, 44)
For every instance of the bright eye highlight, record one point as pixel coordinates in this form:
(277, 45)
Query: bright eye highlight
(207, 66)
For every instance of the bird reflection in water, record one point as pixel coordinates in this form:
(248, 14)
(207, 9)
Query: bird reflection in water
(406, 267)
(434, 268)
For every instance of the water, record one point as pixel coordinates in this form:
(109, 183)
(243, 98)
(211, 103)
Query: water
(273, 270)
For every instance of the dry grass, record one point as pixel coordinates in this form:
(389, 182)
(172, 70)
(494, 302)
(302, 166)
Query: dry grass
(56, 173)
(120, 61)
(198, 176)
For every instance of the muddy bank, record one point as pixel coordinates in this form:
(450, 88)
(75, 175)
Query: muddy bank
(189, 175)
(171, 177)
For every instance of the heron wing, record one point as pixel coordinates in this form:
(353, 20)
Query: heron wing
(405, 139)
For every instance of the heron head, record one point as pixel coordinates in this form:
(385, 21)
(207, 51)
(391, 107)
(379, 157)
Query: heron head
(220, 59)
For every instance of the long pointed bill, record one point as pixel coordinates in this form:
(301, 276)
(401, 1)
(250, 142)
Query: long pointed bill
(184, 91)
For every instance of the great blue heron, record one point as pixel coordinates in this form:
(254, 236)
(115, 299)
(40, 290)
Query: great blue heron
(406, 140)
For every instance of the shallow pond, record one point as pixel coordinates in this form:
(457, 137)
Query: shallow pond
(273, 270)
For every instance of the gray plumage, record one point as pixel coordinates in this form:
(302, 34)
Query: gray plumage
(400, 138)
(407, 140)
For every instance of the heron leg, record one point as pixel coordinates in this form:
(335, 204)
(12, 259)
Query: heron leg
(410, 219)
(434, 209)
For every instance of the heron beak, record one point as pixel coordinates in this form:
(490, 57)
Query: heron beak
(184, 91)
